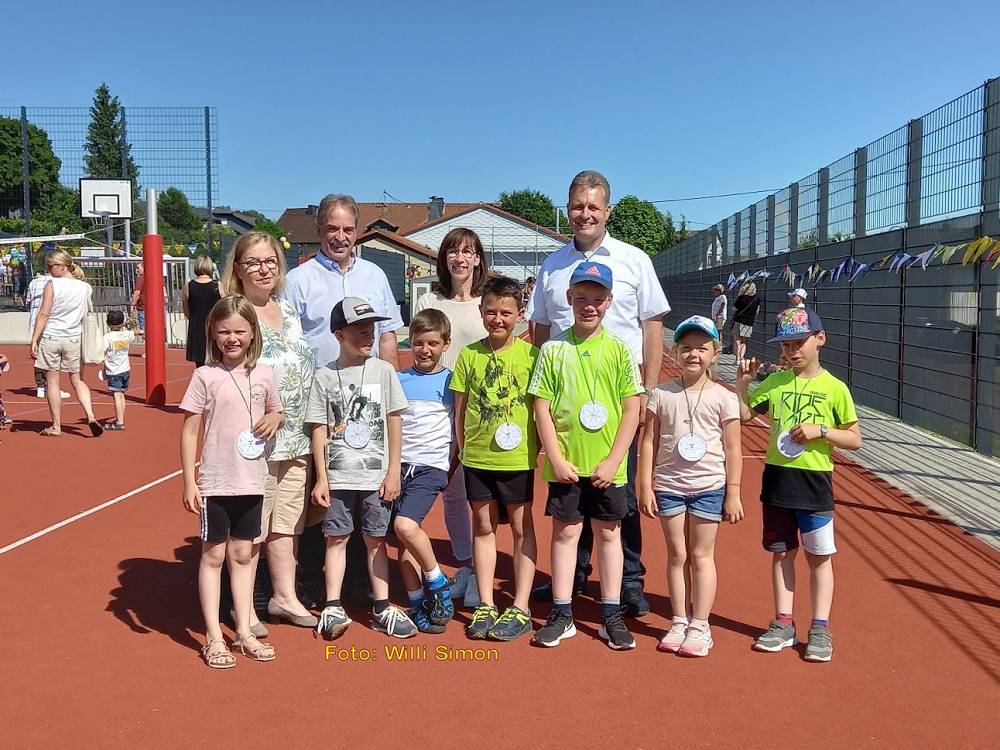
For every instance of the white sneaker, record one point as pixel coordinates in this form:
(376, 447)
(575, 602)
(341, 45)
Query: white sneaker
(674, 637)
(63, 394)
(332, 622)
(697, 642)
(40, 392)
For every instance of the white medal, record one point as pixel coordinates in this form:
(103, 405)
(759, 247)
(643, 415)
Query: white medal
(250, 446)
(357, 434)
(692, 447)
(593, 415)
(508, 436)
(789, 448)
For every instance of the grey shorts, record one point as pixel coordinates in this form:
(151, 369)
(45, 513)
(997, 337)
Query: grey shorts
(375, 514)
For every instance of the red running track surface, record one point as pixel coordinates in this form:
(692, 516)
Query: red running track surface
(101, 627)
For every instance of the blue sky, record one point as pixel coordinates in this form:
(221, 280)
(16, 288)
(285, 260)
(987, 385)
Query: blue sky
(465, 100)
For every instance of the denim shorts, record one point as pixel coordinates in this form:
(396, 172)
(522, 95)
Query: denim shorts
(118, 383)
(707, 505)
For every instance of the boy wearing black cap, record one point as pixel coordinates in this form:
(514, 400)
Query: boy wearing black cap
(586, 386)
(354, 407)
(812, 413)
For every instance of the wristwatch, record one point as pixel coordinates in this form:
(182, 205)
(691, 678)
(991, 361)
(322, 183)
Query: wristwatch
(823, 429)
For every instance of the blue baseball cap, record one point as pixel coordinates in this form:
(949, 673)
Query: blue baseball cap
(598, 273)
(795, 323)
(696, 323)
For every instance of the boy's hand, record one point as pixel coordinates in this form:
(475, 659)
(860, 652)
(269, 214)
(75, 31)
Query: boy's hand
(732, 508)
(604, 474)
(803, 433)
(192, 499)
(647, 503)
(389, 490)
(564, 471)
(268, 425)
(321, 494)
(747, 371)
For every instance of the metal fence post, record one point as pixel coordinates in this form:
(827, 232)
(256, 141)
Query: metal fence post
(990, 181)
(752, 247)
(208, 177)
(823, 198)
(860, 190)
(914, 157)
(793, 217)
(770, 225)
(26, 185)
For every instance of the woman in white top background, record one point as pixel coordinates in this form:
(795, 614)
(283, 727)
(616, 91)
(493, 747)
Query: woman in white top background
(56, 338)
(462, 269)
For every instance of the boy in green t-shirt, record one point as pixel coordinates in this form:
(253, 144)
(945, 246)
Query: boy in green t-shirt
(812, 413)
(498, 448)
(586, 387)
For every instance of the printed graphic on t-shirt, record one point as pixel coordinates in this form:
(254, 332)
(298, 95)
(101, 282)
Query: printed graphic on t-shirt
(258, 393)
(362, 405)
(800, 408)
(498, 392)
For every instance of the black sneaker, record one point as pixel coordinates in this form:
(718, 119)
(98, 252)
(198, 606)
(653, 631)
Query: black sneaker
(543, 593)
(558, 627)
(615, 633)
(634, 602)
(483, 618)
(511, 625)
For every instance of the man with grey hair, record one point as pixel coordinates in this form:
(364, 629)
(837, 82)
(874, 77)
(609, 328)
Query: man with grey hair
(334, 273)
(635, 316)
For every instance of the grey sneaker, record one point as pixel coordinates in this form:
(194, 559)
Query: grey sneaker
(820, 646)
(332, 622)
(395, 622)
(777, 637)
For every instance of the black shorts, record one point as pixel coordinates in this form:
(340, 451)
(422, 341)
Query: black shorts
(236, 516)
(418, 489)
(506, 487)
(571, 502)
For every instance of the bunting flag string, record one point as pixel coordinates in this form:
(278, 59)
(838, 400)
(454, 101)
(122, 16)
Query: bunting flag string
(984, 249)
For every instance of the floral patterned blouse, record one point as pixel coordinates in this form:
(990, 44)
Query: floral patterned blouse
(287, 353)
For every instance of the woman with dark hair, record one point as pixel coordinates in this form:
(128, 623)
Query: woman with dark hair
(200, 295)
(462, 269)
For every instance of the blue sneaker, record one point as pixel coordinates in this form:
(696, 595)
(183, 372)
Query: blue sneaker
(440, 608)
(421, 618)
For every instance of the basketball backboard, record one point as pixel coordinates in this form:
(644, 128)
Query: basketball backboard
(105, 198)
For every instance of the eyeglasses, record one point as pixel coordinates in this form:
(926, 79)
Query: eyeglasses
(463, 251)
(254, 264)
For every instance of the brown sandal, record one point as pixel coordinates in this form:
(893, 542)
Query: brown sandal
(217, 655)
(262, 652)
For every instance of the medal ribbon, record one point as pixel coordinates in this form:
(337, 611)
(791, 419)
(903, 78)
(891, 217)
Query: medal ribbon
(691, 412)
(591, 384)
(240, 391)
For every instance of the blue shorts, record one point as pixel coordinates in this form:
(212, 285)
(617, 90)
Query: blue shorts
(418, 489)
(118, 382)
(707, 505)
(783, 526)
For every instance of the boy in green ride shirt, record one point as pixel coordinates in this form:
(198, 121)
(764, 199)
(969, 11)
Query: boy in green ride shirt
(812, 413)
(587, 388)
(498, 448)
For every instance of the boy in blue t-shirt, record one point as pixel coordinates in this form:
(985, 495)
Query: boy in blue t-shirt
(428, 434)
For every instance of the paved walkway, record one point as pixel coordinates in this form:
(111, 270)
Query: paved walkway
(950, 479)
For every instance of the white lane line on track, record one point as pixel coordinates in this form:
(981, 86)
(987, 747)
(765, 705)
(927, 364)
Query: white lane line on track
(72, 399)
(89, 512)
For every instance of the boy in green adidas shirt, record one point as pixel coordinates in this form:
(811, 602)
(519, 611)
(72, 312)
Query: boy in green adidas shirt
(812, 413)
(498, 448)
(587, 388)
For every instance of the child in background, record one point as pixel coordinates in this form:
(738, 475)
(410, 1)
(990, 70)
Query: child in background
(812, 413)
(116, 365)
(586, 387)
(428, 436)
(355, 405)
(690, 465)
(4, 419)
(236, 401)
(498, 448)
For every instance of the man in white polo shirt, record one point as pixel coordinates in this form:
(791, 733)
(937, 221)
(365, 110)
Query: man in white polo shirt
(635, 317)
(334, 273)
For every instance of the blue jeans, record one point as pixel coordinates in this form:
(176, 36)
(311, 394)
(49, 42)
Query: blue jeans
(631, 533)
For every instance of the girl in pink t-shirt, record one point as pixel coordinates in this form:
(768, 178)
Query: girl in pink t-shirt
(237, 402)
(689, 471)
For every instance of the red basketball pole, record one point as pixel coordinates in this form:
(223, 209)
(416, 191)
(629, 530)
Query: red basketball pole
(156, 345)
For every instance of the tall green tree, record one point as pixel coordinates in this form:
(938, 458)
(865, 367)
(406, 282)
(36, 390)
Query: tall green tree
(639, 223)
(107, 147)
(669, 232)
(264, 224)
(535, 206)
(175, 212)
(43, 167)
